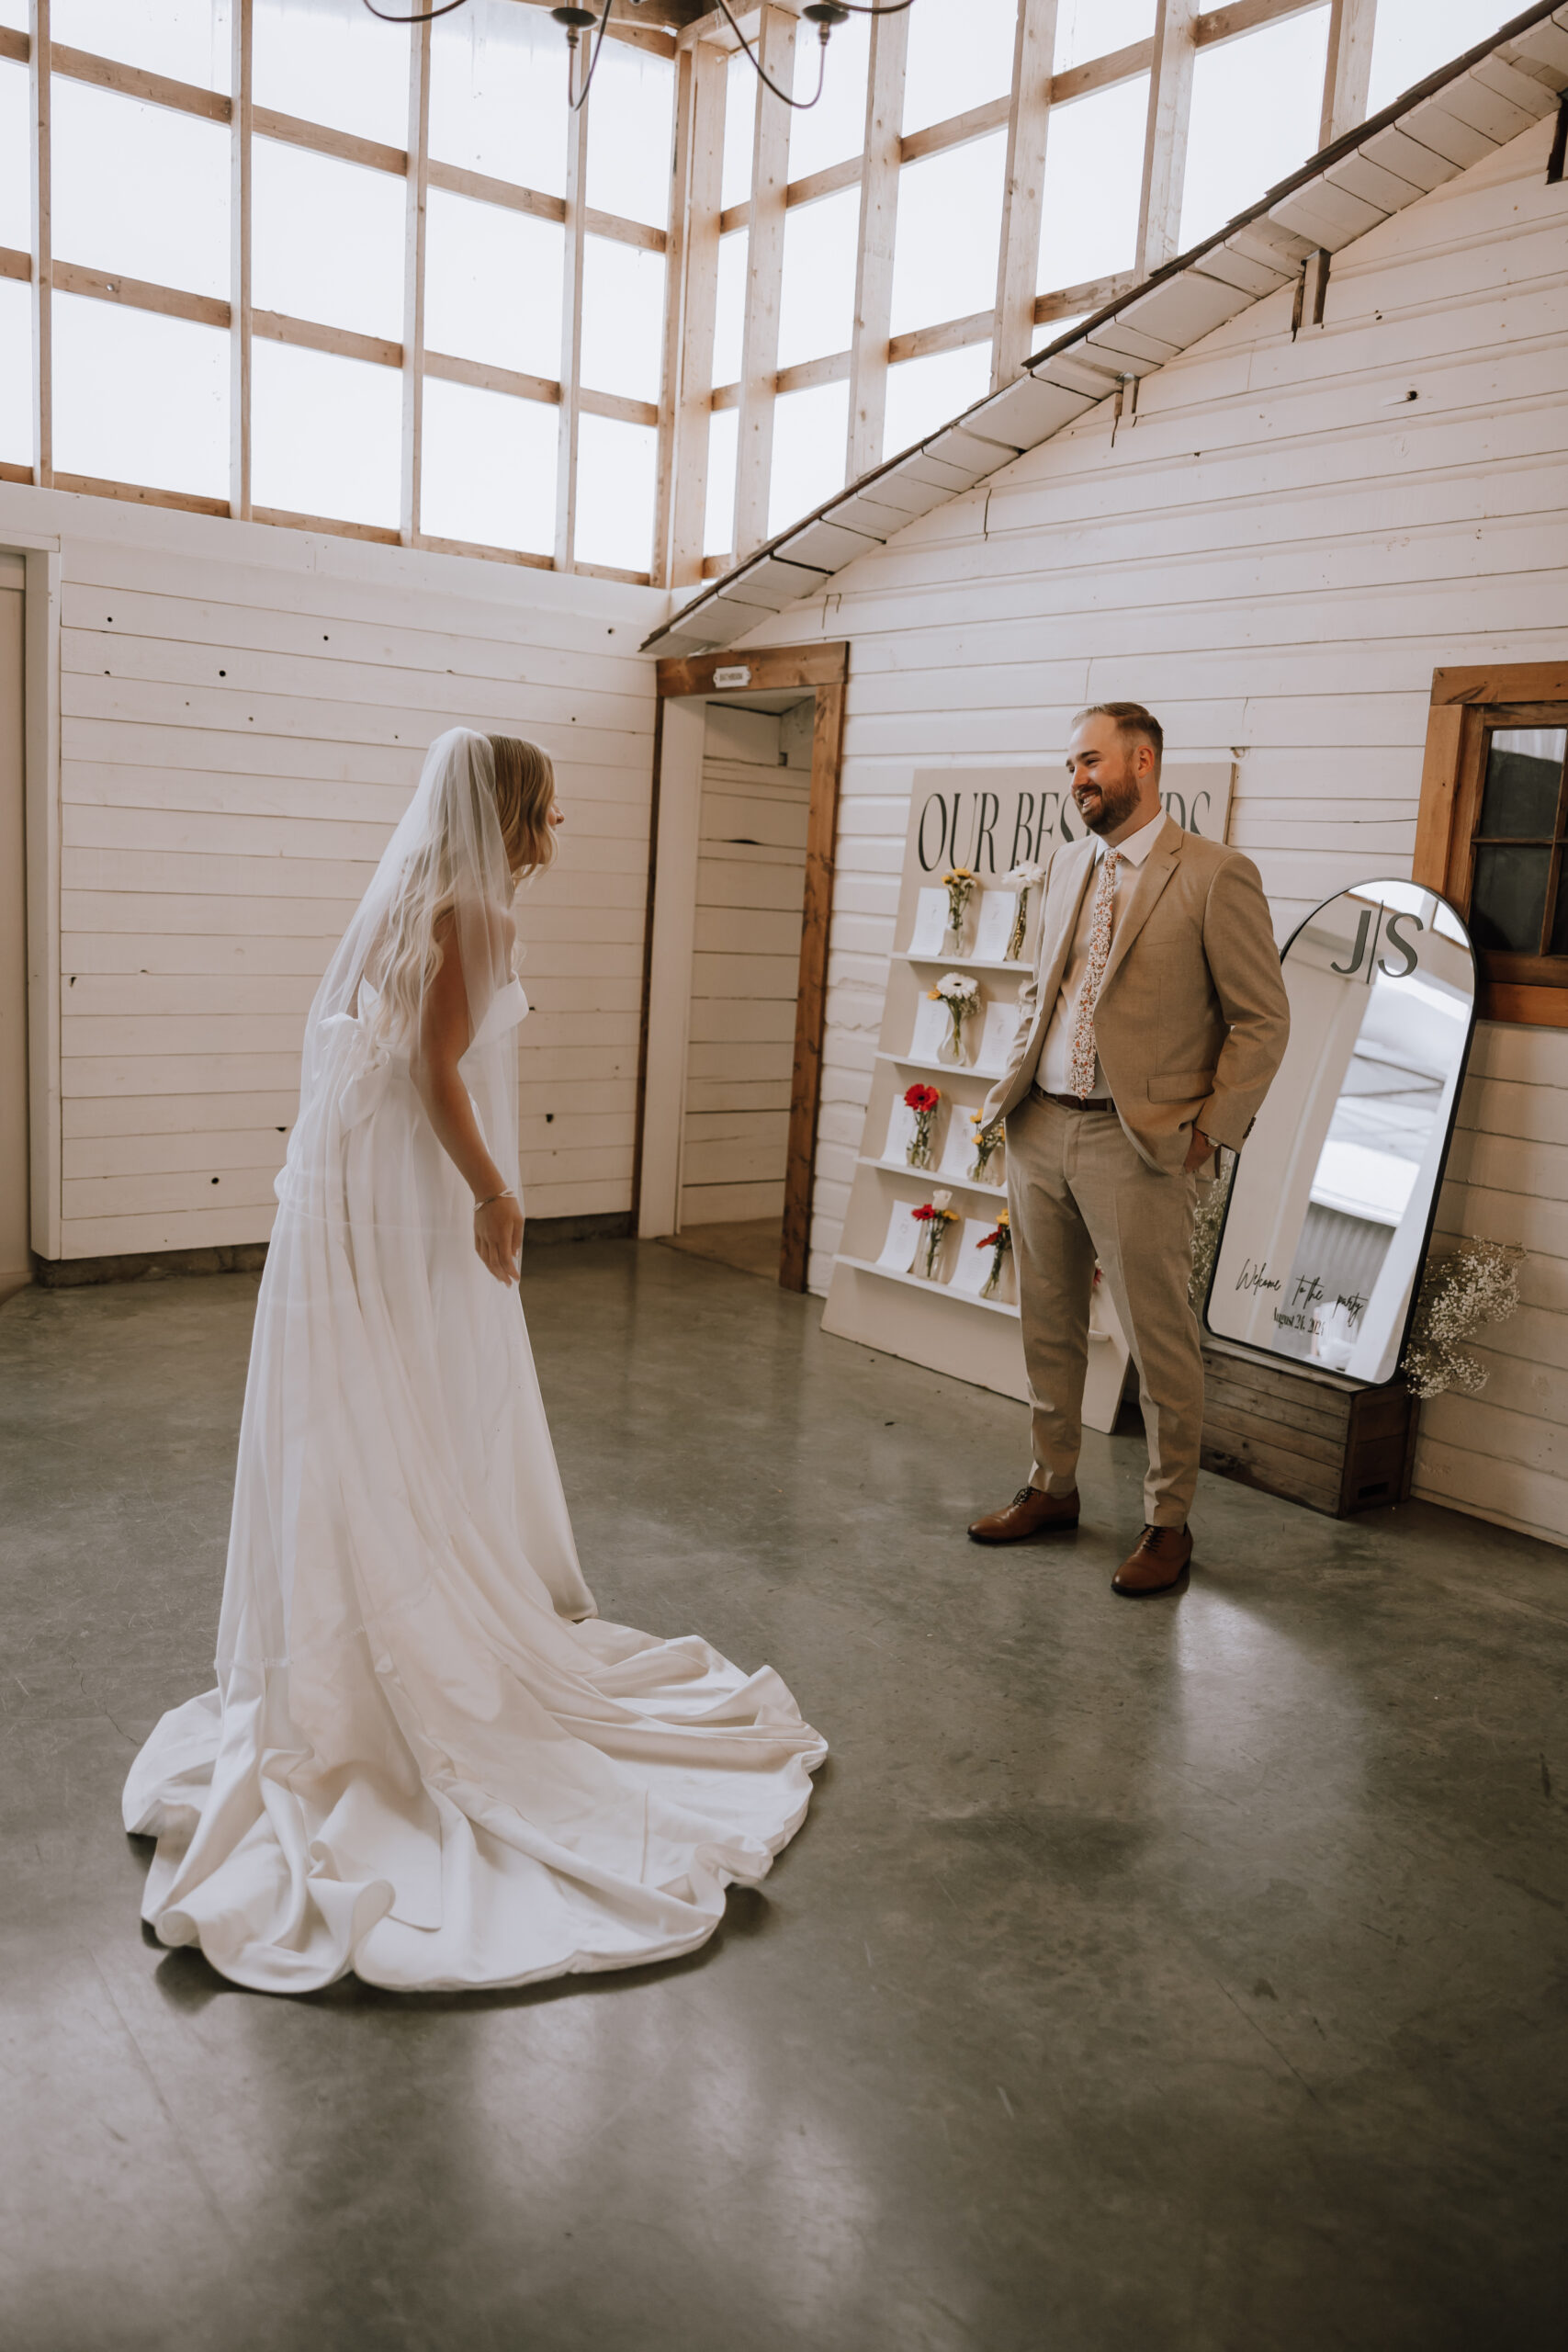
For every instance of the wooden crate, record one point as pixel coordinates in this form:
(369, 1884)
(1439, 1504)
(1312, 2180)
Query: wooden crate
(1304, 1434)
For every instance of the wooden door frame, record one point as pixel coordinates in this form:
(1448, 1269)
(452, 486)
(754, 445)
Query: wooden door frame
(822, 670)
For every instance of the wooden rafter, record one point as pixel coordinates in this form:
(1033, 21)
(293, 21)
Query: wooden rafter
(239, 313)
(764, 279)
(1165, 140)
(691, 295)
(43, 242)
(572, 326)
(1023, 188)
(1347, 77)
(412, 442)
(878, 227)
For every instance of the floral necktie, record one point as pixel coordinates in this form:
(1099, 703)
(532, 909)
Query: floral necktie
(1089, 995)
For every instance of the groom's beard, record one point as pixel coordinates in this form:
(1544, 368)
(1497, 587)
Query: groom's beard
(1114, 804)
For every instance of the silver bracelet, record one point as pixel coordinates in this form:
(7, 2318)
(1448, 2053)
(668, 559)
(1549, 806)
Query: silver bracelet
(507, 1195)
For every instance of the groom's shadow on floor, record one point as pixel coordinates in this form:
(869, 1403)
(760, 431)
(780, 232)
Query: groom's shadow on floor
(187, 1981)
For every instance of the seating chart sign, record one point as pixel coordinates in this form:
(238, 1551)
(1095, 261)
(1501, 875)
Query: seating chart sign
(972, 1270)
(903, 1234)
(994, 928)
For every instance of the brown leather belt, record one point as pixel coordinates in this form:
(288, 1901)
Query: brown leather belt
(1070, 1102)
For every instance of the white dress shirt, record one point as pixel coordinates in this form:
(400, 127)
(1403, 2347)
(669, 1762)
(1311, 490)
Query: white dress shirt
(1053, 1071)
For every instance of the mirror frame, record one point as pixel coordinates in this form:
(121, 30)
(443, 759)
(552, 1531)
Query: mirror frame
(1268, 1355)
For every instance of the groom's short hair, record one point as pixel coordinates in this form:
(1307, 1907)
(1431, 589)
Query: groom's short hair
(1134, 724)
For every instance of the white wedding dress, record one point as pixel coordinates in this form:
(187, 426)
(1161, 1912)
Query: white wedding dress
(425, 1761)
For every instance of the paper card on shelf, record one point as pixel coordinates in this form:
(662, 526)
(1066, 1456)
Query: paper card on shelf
(998, 909)
(930, 1028)
(974, 1263)
(931, 923)
(900, 1130)
(903, 1234)
(996, 1037)
(958, 1151)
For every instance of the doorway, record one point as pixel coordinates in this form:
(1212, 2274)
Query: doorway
(16, 1263)
(741, 887)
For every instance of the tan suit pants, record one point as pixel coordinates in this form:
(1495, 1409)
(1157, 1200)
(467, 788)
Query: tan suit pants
(1078, 1191)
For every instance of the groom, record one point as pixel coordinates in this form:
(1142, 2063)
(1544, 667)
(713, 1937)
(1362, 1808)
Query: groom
(1151, 1027)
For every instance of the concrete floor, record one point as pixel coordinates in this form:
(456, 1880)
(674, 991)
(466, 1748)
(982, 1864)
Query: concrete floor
(1191, 1975)
(752, 1245)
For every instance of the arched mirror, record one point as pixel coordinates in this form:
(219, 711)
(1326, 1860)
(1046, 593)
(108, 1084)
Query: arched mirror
(1332, 1200)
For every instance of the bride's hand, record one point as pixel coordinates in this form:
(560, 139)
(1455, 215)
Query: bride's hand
(498, 1237)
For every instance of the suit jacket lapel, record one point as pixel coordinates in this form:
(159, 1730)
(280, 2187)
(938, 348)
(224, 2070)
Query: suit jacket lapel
(1059, 921)
(1159, 866)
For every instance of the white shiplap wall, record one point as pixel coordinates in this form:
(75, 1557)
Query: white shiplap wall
(243, 711)
(1274, 556)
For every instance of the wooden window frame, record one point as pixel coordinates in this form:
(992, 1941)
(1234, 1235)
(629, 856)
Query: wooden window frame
(1529, 991)
(824, 670)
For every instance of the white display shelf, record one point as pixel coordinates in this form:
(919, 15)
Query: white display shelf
(934, 1176)
(941, 1290)
(964, 963)
(943, 1070)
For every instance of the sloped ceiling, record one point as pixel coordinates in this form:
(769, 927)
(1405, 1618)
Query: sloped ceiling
(1455, 118)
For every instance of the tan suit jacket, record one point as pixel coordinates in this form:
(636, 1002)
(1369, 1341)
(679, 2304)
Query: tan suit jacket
(1193, 1017)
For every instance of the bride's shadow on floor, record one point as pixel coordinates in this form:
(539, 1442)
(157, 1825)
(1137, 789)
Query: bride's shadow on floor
(187, 1981)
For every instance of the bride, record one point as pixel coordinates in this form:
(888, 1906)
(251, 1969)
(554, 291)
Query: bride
(425, 1761)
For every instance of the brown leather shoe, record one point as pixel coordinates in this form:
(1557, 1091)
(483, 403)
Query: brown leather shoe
(1158, 1563)
(1031, 1512)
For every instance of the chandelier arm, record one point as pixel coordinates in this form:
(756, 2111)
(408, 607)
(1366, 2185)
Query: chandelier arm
(428, 17)
(887, 8)
(802, 105)
(577, 103)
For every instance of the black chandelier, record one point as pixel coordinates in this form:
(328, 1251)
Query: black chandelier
(824, 14)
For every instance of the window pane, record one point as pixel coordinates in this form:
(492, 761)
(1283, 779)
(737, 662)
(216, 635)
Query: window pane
(330, 60)
(187, 39)
(14, 14)
(925, 393)
(139, 398)
(729, 308)
(498, 94)
(740, 124)
(623, 318)
(949, 69)
(328, 240)
(492, 285)
(15, 372)
(809, 433)
(616, 465)
(325, 434)
(1559, 943)
(950, 218)
(1524, 770)
(724, 443)
(631, 128)
(1413, 38)
(1086, 29)
(16, 166)
(817, 302)
(1508, 900)
(490, 468)
(835, 127)
(1091, 144)
(1256, 108)
(140, 189)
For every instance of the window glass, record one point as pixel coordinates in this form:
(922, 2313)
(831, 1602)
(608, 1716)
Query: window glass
(950, 215)
(139, 398)
(615, 468)
(817, 302)
(724, 443)
(498, 94)
(327, 240)
(1524, 771)
(332, 62)
(1412, 38)
(623, 318)
(835, 127)
(492, 285)
(488, 467)
(140, 189)
(15, 372)
(810, 430)
(14, 13)
(740, 124)
(1090, 29)
(950, 70)
(326, 434)
(631, 128)
(729, 308)
(1089, 227)
(16, 163)
(1507, 898)
(1257, 109)
(187, 39)
(924, 394)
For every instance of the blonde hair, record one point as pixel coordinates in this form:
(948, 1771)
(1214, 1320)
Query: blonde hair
(524, 794)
